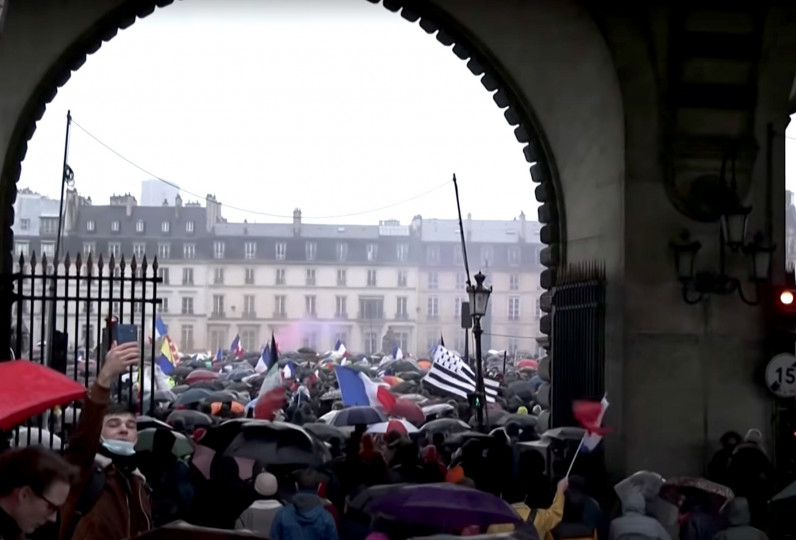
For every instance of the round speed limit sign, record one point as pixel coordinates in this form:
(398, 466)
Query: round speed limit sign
(781, 375)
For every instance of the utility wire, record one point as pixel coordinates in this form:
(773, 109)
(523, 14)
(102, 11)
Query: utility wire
(239, 209)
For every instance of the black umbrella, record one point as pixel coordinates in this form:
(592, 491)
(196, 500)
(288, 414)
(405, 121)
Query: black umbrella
(146, 422)
(180, 388)
(410, 375)
(331, 395)
(398, 366)
(457, 439)
(165, 395)
(239, 375)
(445, 425)
(181, 371)
(212, 386)
(358, 415)
(194, 395)
(218, 437)
(522, 389)
(191, 418)
(523, 420)
(406, 387)
(221, 396)
(366, 496)
(278, 443)
(325, 432)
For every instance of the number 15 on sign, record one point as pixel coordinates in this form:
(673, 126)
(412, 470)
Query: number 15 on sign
(781, 375)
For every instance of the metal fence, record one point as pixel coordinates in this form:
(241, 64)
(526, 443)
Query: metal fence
(577, 340)
(59, 319)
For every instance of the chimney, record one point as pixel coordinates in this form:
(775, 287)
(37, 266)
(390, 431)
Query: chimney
(130, 202)
(212, 211)
(522, 226)
(165, 202)
(177, 206)
(297, 222)
(468, 228)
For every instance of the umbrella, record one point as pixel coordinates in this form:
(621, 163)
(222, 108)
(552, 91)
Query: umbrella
(527, 364)
(367, 496)
(235, 407)
(194, 395)
(523, 420)
(445, 425)
(221, 396)
(522, 389)
(565, 433)
(417, 398)
(787, 493)
(146, 422)
(437, 409)
(199, 375)
(165, 395)
(406, 387)
(325, 432)
(278, 443)
(146, 439)
(424, 364)
(409, 410)
(328, 417)
(450, 507)
(191, 418)
(331, 395)
(647, 483)
(358, 415)
(457, 439)
(392, 380)
(28, 389)
(180, 388)
(718, 493)
(396, 424)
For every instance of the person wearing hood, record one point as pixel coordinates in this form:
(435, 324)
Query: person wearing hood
(736, 513)
(750, 475)
(305, 517)
(103, 448)
(635, 523)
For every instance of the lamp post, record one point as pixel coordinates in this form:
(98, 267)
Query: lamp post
(479, 299)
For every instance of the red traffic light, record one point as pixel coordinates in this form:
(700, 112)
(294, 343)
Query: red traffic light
(786, 298)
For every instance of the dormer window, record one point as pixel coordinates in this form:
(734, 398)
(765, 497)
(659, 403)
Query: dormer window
(165, 227)
(90, 225)
(189, 226)
(139, 226)
(115, 226)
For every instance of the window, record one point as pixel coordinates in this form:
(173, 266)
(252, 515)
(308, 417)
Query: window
(514, 282)
(218, 338)
(24, 224)
(90, 225)
(187, 276)
(164, 305)
(87, 336)
(372, 342)
(514, 308)
(371, 308)
(539, 311)
(89, 248)
(115, 225)
(514, 256)
(88, 307)
(310, 276)
(513, 346)
(139, 226)
(186, 337)
(249, 250)
(248, 306)
(402, 252)
(340, 307)
(486, 256)
(139, 249)
(218, 305)
(48, 226)
(433, 280)
(163, 273)
(187, 306)
(189, 226)
(341, 251)
(218, 250)
(400, 308)
(310, 250)
(458, 260)
(22, 248)
(250, 339)
(280, 276)
(461, 280)
(371, 278)
(309, 305)
(432, 307)
(249, 276)
(165, 227)
(48, 249)
(137, 306)
(402, 339)
(189, 251)
(310, 340)
(164, 251)
(281, 251)
(114, 249)
(218, 276)
(373, 252)
(402, 278)
(341, 278)
(432, 255)
(115, 308)
(280, 306)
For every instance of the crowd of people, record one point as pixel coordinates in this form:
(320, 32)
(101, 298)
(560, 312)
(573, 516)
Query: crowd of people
(320, 469)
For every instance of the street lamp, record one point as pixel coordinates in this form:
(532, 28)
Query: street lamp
(479, 299)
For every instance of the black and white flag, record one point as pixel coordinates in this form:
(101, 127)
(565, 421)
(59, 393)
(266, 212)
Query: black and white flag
(451, 374)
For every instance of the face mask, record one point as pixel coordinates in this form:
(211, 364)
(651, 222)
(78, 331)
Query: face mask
(120, 448)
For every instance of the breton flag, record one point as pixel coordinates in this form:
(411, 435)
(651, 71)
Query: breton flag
(450, 374)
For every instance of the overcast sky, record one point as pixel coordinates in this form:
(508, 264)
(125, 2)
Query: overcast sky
(334, 106)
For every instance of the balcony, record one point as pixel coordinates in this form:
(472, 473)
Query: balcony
(280, 315)
(342, 315)
(311, 314)
(249, 315)
(218, 315)
(371, 316)
(402, 316)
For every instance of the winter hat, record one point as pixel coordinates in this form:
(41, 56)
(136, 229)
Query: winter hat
(522, 410)
(265, 484)
(753, 436)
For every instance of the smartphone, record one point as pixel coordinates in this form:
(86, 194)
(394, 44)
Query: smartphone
(125, 333)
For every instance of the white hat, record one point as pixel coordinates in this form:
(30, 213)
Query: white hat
(265, 484)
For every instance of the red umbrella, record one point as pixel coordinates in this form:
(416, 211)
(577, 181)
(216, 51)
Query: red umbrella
(28, 389)
(528, 364)
(199, 375)
(409, 410)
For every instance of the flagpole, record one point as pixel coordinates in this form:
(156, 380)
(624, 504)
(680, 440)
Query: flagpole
(572, 464)
(461, 232)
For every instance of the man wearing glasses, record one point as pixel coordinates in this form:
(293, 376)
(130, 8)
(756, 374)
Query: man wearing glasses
(34, 484)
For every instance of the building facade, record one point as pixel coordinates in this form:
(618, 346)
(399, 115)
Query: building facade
(370, 286)
(154, 192)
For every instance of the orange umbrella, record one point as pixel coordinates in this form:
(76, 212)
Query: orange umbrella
(392, 380)
(528, 364)
(424, 364)
(236, 408)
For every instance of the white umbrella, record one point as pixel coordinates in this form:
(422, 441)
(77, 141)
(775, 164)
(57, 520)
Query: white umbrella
(382, 427)
(328, 417)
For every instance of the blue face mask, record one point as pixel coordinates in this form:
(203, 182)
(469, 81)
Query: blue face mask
(119, 448)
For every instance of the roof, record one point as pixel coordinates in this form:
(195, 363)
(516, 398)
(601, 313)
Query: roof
(483, 231)
(285, 230)
(103, 216)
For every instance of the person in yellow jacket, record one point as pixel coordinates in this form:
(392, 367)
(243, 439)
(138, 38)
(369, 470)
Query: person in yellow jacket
(544, 520)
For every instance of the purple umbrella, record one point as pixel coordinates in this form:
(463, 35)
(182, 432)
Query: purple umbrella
(450, 507)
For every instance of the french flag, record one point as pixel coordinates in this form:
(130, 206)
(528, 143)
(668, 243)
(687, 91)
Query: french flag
(397, 353)
(590, 415)
(264, 361)
(357, 389)
(339, 350)
(235, 348)
(160, 328)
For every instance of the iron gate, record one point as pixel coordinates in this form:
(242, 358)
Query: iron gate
(577, 340)
(59, 317)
